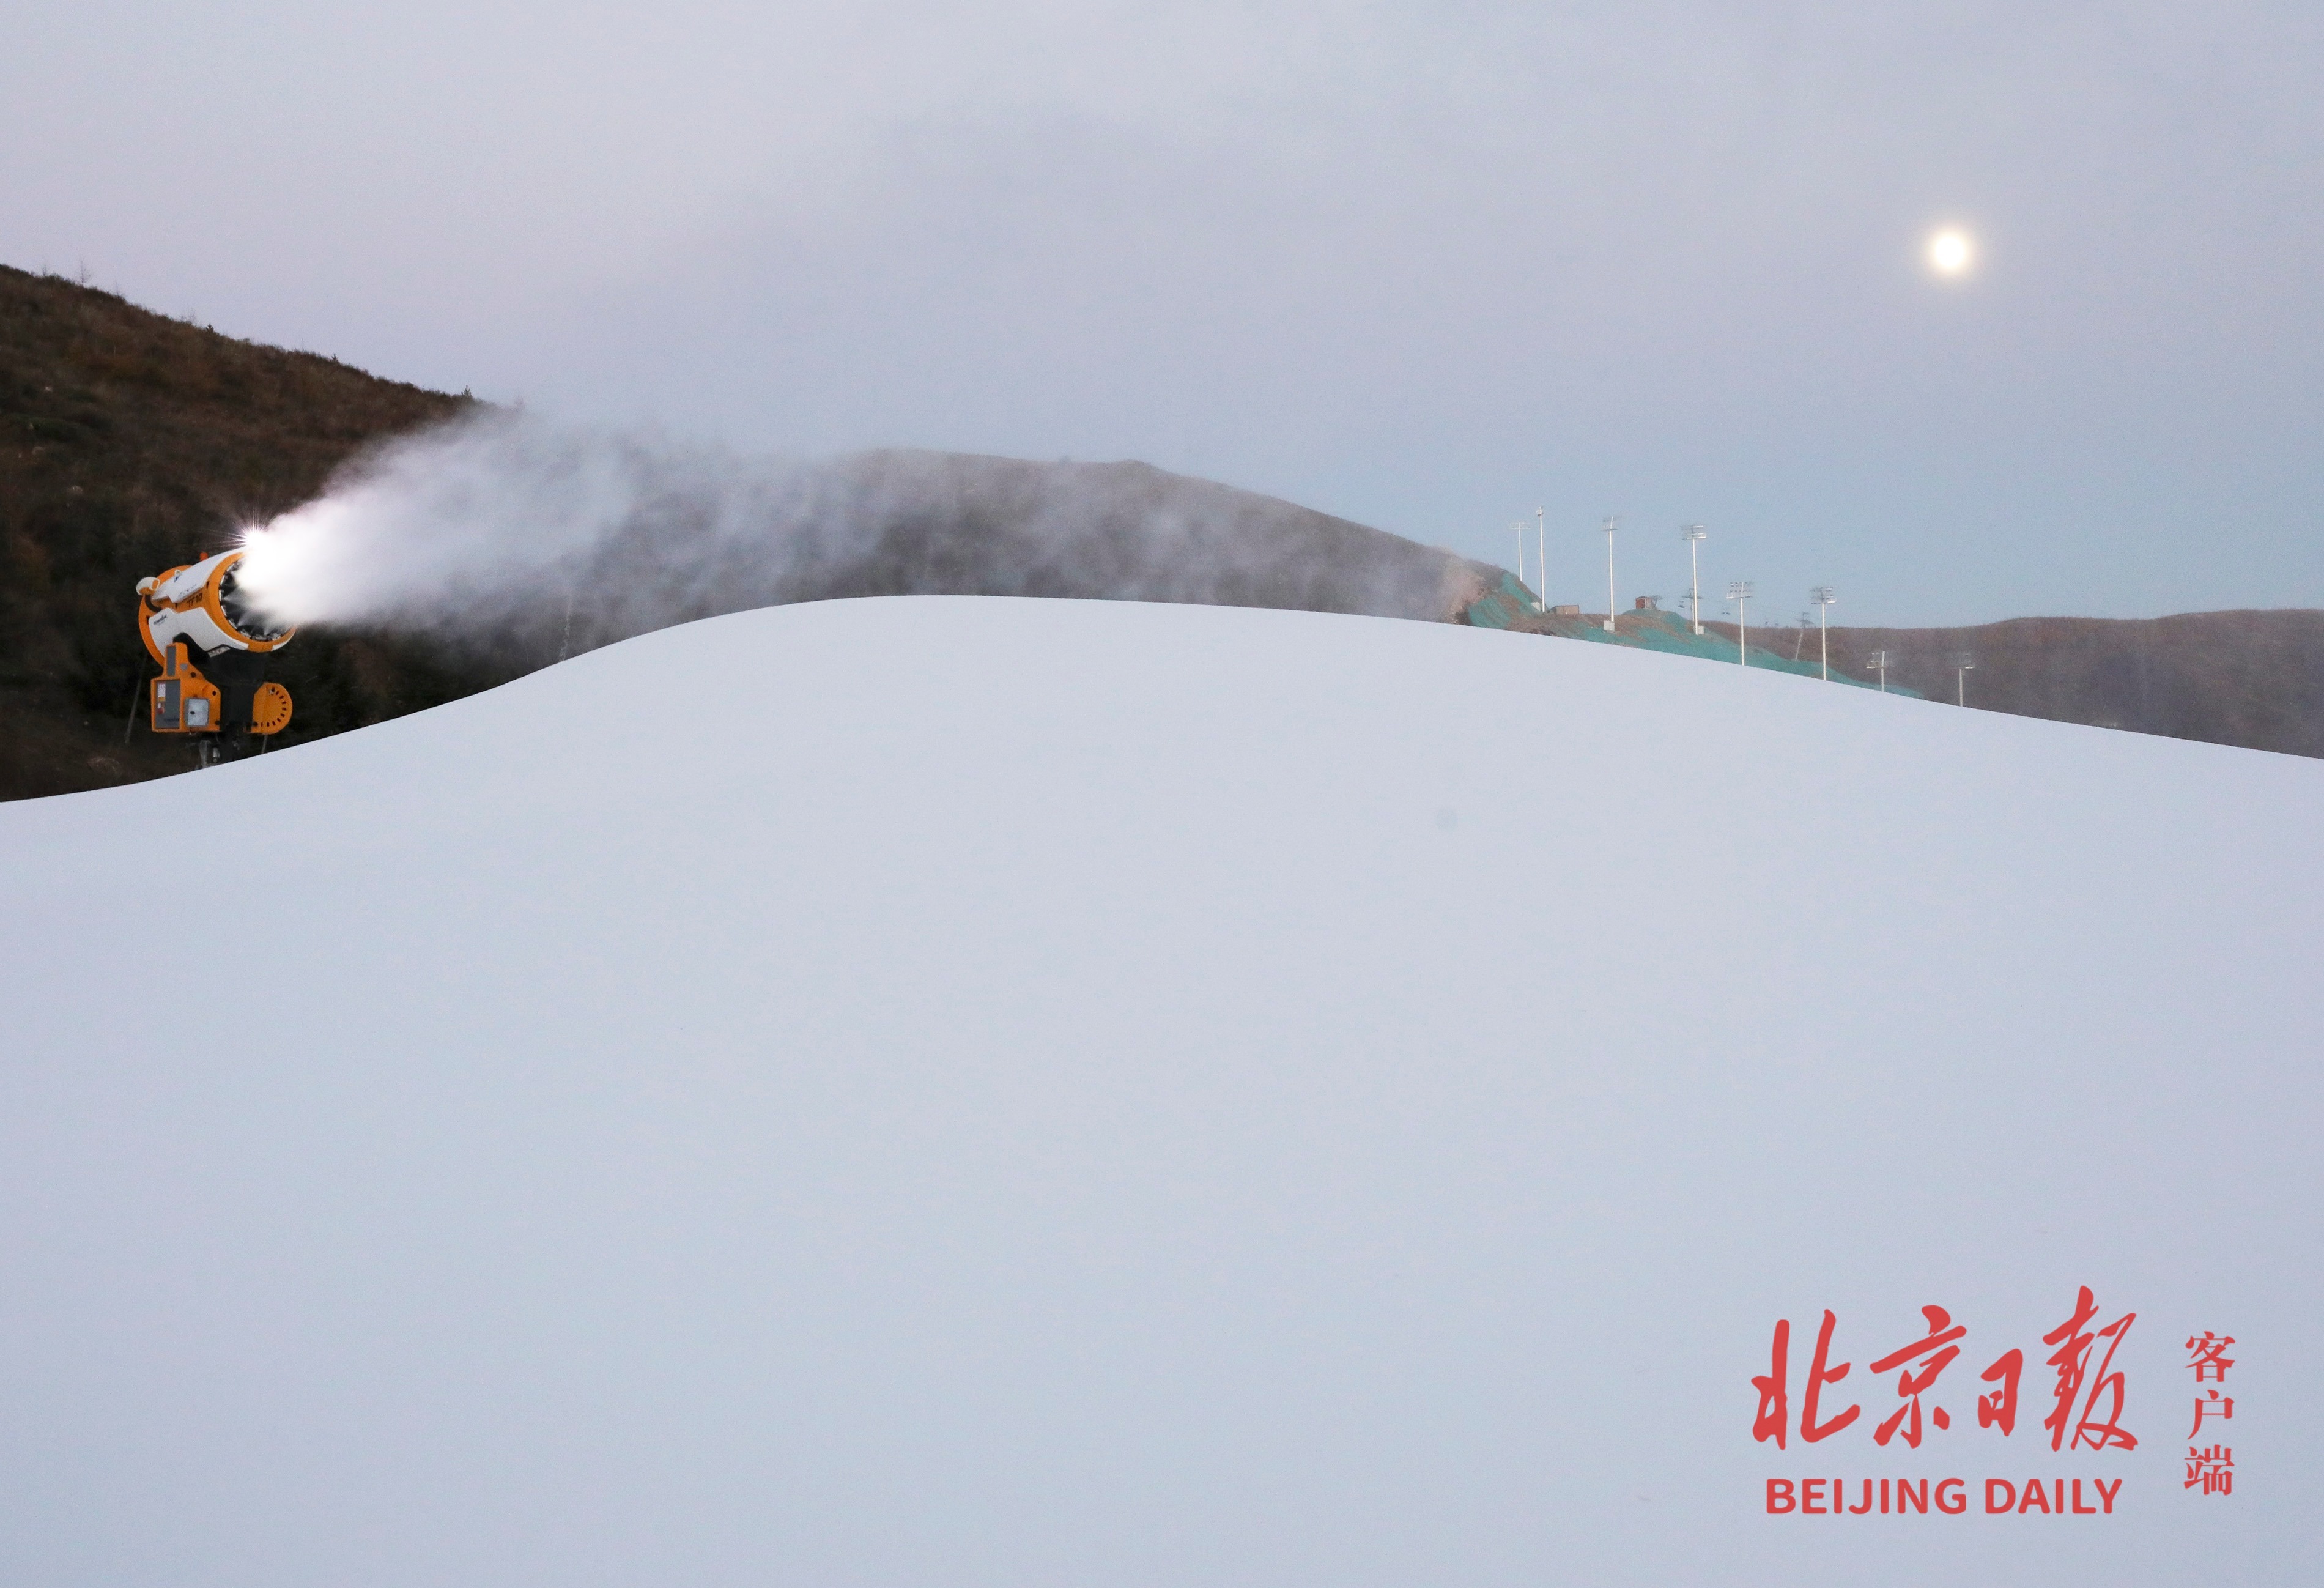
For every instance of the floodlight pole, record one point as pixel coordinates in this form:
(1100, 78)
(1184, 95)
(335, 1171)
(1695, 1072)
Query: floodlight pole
(1695, 534)
(1963, 663)
(1541, 555)
(1880, 660)
(1739, 591)
(1823, 599)
(1611, 523)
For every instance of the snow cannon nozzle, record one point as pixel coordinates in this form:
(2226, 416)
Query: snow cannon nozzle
(235, 604)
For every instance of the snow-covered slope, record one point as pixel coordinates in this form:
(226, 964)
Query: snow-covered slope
(943, 1091)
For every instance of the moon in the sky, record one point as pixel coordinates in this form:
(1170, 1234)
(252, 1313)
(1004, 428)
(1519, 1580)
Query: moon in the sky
(1951, 251)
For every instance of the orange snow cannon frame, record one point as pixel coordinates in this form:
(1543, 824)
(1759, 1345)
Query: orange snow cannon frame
(193, 608)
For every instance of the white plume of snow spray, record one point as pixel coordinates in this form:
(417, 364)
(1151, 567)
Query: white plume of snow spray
(473, 512)
(489, 524)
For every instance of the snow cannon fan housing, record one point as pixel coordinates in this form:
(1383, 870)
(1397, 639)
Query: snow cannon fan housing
(212, 650)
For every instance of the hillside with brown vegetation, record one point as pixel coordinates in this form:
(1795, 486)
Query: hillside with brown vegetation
(129, 443)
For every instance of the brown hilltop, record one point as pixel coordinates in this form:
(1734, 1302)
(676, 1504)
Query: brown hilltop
(130, 442)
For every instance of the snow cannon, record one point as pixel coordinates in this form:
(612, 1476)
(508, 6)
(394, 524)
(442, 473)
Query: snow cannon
(212, 649)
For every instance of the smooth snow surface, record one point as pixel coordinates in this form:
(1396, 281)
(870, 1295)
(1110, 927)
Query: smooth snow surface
(952, 1091)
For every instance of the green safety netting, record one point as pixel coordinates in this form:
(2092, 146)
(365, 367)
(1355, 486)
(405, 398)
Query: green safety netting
(1509, 605)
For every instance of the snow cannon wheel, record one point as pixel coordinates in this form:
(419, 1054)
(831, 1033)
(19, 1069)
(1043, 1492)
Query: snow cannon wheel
(270, 709)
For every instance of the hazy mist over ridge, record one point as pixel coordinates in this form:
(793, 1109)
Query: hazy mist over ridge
(1425, 273)
(496, 528)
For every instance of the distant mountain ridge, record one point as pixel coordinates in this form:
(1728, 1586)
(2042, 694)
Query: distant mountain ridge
(130, 441)
(2249, 678)
(2252, 679)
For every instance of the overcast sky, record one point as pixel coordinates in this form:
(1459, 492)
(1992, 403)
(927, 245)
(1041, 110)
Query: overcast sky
(1428, 268)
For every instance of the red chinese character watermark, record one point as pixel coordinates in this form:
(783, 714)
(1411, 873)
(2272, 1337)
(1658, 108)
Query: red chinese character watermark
(1774, 1388)
(1936, 1352)
(2001, 1406)
(2088, 1396)
(2208, 1358)
(2206, 1354)
(2212, 1407)
(2073, 1361)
